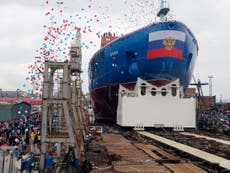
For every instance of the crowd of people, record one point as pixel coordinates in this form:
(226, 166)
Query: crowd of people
(24, 134)
(215, 119)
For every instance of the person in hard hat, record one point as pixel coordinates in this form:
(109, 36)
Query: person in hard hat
(32, 137)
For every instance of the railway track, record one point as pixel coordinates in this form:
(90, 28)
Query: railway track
(206, 160)
(173, 159)
(199, 142)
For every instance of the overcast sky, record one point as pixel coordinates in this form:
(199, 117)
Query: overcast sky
(22, 32)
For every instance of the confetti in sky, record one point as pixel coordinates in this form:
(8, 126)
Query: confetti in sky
(61, 28)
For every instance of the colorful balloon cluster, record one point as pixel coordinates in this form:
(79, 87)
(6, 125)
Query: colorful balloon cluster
(94, 18)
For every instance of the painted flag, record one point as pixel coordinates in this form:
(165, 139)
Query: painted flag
(166, 43)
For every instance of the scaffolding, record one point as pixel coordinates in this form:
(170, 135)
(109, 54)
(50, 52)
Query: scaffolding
(64, 112)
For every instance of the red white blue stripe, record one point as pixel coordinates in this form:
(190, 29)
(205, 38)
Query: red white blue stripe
(157, 49)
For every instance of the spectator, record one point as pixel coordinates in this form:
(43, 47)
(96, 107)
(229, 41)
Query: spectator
(19, 132)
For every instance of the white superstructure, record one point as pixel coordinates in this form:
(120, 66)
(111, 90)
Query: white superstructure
(151, 106)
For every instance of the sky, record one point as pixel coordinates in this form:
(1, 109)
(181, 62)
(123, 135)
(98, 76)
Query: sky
(25, 24)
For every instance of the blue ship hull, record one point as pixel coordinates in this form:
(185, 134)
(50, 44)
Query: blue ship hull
(158, 53)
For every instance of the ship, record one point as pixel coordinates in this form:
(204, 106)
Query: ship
(159, 53)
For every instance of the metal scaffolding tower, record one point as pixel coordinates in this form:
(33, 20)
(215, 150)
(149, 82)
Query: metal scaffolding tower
(210, 84)
(63, 114)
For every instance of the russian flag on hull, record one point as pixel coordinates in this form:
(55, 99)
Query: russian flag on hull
(166, 43)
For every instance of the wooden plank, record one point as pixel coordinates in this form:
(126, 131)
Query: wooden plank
(175, 167)
(148, 151)
(184, 167)
(146, 167)
(163, 153)
(130, 158)
(157, 153)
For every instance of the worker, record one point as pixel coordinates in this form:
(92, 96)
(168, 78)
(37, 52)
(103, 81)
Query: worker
(32, 136)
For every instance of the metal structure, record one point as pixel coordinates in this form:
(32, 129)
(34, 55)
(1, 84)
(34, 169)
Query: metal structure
(8, 160)
(210, 85)
(199, 85)
(76, 55)
(164, 9)
(63, 114)
(170, 110)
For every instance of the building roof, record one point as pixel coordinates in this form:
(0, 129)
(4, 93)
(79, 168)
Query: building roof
(14, 94)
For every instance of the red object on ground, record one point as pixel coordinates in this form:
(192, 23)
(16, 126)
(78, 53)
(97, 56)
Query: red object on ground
(32, 101)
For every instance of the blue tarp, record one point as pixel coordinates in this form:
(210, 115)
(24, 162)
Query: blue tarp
(26, 163)
(48, 161)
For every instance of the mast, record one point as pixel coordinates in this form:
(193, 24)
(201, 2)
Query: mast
(164, 9)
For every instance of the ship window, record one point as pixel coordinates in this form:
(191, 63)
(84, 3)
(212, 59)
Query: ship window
(153, 91)
(174, 90)
(163, 92)
(131, 56)
(143, 89)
